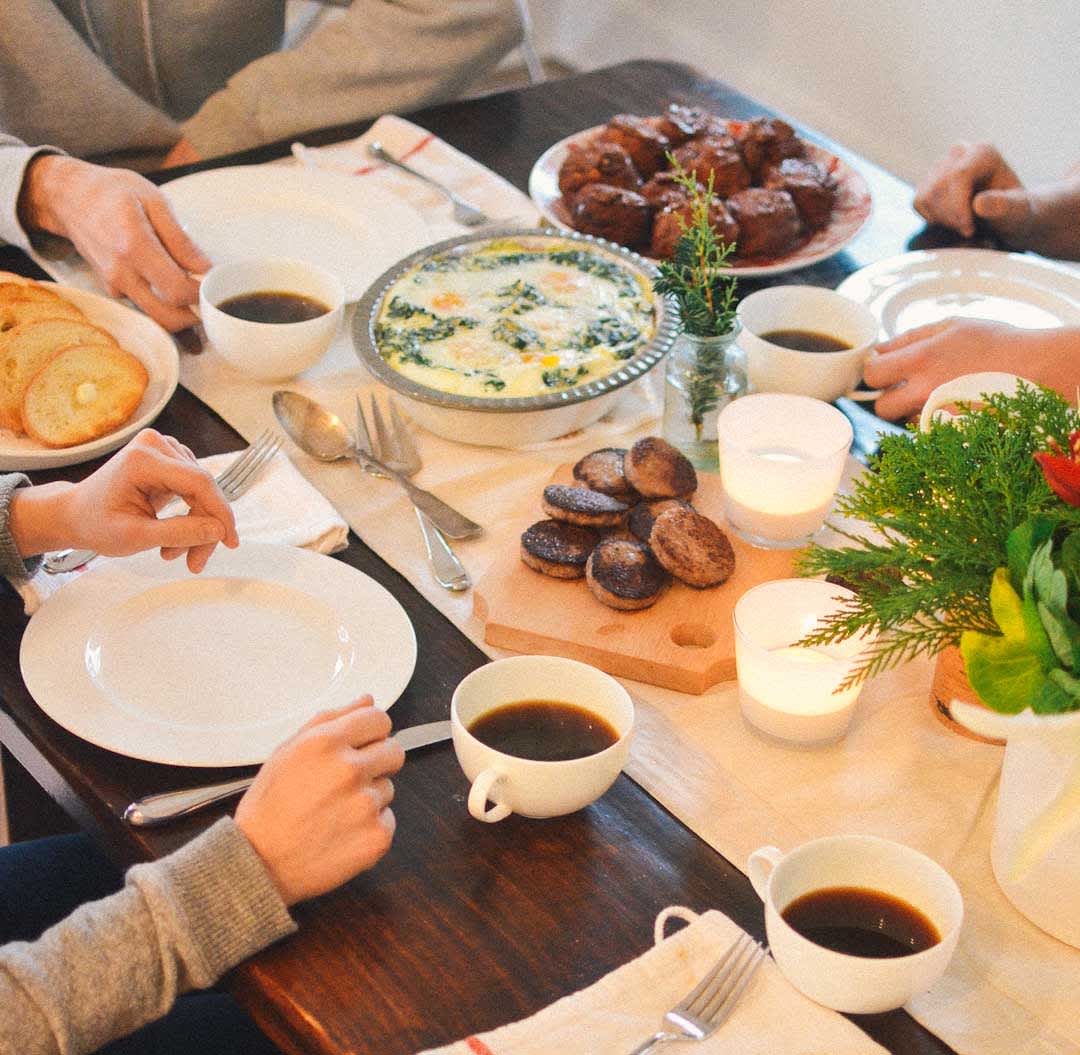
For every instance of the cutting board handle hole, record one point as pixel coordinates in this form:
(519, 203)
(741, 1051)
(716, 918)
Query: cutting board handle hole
(693, 635)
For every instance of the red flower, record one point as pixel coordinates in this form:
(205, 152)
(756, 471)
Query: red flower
(1063, 472)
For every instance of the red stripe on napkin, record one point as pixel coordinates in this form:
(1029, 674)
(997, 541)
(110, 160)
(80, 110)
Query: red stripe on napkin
(478, 1046)
(365, 169)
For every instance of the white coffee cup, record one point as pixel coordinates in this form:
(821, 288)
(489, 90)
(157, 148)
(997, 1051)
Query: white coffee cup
(967, 388)
(823, 375)
(525, 786)
(856, 984)
(269, 350)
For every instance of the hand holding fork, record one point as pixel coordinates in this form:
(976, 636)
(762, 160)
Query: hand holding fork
(393, 446)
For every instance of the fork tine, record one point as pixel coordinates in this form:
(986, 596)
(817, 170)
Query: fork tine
(386, 442)
(241, 482)
(363, 436)
(724, 1001)
(409, 454)
(702, 993)
(241, 461)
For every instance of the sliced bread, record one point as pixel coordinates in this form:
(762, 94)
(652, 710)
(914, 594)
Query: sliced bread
(82, 393)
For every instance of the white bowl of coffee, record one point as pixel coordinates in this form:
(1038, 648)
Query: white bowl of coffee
(271, 318)
(539, 736)
(805, 340)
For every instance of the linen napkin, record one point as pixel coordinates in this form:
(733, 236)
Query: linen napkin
(279, 507)
(614, 1015)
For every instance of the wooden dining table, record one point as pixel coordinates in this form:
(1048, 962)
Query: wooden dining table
(463, 926)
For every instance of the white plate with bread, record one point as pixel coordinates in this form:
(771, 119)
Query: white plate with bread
(79, 374)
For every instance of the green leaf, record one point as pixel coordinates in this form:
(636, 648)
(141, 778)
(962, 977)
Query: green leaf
(1059, 694)
(1069, 560)
(1008, 672)
(1057, 630)
(1022, 543)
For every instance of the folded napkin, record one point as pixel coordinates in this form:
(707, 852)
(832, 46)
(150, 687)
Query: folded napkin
(625, 1007)
(280, 507)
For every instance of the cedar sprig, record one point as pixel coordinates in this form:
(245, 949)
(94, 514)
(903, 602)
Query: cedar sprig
(939, 507)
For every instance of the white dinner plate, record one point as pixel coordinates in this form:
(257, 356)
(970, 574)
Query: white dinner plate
(850, 213)
(929, 285)
(347, 225)
(148, 660)
(135, 333)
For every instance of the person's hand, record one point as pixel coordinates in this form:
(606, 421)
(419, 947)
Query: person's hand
(114, 510)
(319, 810)
(123, 227)
(973, 181)
(181, 154)
(911, 366)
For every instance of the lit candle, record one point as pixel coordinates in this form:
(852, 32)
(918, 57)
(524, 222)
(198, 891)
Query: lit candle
(781, 460)
(785, 689)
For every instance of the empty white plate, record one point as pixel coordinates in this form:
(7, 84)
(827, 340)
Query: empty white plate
(146, 659)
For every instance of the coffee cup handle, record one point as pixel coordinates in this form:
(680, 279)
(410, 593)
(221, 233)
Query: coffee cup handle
(759, 866)
(479, 794)
(966, 388)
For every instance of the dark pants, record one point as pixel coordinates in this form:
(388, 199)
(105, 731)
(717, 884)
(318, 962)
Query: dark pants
(44, 880)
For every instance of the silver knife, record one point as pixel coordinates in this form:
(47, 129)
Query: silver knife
(168, 805)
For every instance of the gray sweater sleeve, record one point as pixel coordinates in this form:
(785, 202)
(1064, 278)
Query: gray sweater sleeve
(116, 964)
(378, 57)
(12, 566)
(15, 155)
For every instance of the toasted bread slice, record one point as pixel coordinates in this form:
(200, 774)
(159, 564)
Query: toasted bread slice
(82, 393)
(16, 308)
(27, 347)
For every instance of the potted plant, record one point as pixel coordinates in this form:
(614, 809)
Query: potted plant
(705, 368)
(975, 545)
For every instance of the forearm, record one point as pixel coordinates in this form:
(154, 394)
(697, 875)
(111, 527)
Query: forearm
(1049, 357)
(118, 963)
(38, 519)
(378, 58)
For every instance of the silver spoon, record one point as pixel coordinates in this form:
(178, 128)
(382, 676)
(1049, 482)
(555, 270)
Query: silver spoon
(322, 434)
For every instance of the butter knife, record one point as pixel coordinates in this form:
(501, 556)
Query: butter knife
(168, 805)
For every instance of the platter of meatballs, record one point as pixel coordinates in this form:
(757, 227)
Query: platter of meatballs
(783, 201)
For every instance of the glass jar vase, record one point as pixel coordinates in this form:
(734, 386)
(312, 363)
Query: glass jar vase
(703, 375)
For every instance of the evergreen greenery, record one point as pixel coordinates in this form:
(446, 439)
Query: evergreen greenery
(941, 506)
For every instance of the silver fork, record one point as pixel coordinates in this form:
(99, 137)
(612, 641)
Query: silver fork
(394, 447)
(467, 214)
(233, 481)
(705, 1008)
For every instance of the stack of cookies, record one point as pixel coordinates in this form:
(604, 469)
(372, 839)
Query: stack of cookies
(63, 381)
(628, 526)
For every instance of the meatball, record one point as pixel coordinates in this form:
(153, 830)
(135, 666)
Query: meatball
(664, 190)
(811, 186)
(597, 163)
(670, 223)
(647, 146)
(615, 213)
(680, 123)
(768, 221)
(716, 157)
(766, 141)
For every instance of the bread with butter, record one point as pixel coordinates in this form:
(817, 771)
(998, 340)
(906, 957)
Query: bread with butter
(82, 393)
(27, 347)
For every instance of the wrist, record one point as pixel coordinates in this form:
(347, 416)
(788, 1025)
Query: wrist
(42, 189)
(39, 518)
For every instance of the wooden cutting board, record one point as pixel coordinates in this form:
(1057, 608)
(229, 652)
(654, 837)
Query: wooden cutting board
(685, 641)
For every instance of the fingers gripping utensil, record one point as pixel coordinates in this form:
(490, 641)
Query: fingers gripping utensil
(394, 447)
(323, 435)
(158, 809)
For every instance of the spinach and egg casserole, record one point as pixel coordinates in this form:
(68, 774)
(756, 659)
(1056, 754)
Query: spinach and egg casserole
(515, 317)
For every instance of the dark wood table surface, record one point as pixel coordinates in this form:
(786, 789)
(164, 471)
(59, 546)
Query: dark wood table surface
(463, 927)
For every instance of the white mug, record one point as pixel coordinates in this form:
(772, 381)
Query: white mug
(856, 984)
(525, 786)
(968, 388)
(822, 375)
(267, 350)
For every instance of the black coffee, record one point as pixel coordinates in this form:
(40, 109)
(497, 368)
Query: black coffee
(273, 306)
(861, 922)
(544, 730)
(806, 341)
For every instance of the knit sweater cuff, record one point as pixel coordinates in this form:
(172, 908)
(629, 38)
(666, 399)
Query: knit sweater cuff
(12, 565)
(14, 160)
(226, 896)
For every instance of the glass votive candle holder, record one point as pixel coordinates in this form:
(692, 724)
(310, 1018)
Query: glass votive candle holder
(787, 690)
(781, 460)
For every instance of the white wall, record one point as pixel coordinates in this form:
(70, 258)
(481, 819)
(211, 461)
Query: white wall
(894, 81)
